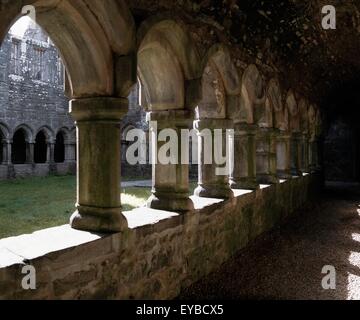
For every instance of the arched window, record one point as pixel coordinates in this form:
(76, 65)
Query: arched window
(59, 148)
(40, 150)
(19, 147)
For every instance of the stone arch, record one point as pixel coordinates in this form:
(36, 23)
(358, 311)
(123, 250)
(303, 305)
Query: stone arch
(4, 135)
(40, 146)
(274, 98)
(21, 138)
(66, 133)
(29, 132)
(59, 148)
(48, 132)
(312, 121)
(304, 115)
(4, 131)
(219, 81)
(252, 93)
(166, 59)
(85, 35)
(220, 55)
(293, 111)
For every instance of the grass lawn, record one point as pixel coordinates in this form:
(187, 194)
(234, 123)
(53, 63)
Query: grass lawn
(33, 204)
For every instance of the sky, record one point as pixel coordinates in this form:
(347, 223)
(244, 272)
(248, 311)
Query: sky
(20, 26)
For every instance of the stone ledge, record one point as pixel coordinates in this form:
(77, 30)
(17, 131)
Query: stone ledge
(17, 250)
(160, 253)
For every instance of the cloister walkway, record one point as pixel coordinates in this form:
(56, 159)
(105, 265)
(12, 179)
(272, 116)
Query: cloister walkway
(287, 263)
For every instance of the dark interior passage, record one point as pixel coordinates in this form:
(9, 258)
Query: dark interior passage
(19, 147)
(40, 149)
(59, 148)
(342, 151)
(342, 132)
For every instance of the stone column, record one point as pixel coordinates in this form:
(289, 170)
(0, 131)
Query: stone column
(296, 154)
(50, 154)
(30, 152)
(244, 167)
(7, 153)
(3, 152)
(70, 149)
(304, 153)
(170, 180)
(99, 163)
(312, 161)
(274, 134)
(211, 184)
(284, 155)
(265, 150)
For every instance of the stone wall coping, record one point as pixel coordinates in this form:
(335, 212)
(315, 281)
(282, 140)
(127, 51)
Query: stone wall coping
(20, 249)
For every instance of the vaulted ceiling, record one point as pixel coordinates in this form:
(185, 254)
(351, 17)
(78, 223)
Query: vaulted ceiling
(287, 35)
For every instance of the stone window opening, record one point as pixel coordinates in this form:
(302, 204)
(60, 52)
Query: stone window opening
(16, 57)
(19, 147)
(59, 155)
(38, 68)
(60, 71)
(40, 148)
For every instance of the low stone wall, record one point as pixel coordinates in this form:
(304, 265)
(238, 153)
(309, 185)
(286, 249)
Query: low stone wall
(36, 170)
(160, 253)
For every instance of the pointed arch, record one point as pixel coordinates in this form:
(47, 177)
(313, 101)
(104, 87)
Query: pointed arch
(219, 81)
(304, 115)
(293, 111)
(167, 58)
(48, 132)
(274, 99)
(28, 131)
(85, 34)
(4, 131)
(252, 93)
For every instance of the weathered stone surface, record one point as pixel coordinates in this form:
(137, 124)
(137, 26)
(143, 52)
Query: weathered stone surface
(152, 265)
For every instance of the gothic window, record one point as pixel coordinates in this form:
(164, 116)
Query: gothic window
(16, 57)
(60, 71)
(38, 68)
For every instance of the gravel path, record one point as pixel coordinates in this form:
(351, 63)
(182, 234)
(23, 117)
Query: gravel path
(287, 263)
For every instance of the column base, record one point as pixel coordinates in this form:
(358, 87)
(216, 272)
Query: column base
(244, 183)
(296, 173)
(214, 191)
(170, 202)
(267, 179)
(286, 175)
(105, 220)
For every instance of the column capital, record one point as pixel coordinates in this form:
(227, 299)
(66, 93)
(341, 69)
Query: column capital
(170, 118)
(245, 128)
(99, 109)
(213, 124)
(284, 135)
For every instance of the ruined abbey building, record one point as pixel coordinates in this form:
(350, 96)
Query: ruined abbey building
(37, 132)
(266, 69)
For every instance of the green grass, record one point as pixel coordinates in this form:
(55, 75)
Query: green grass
(33, 204)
